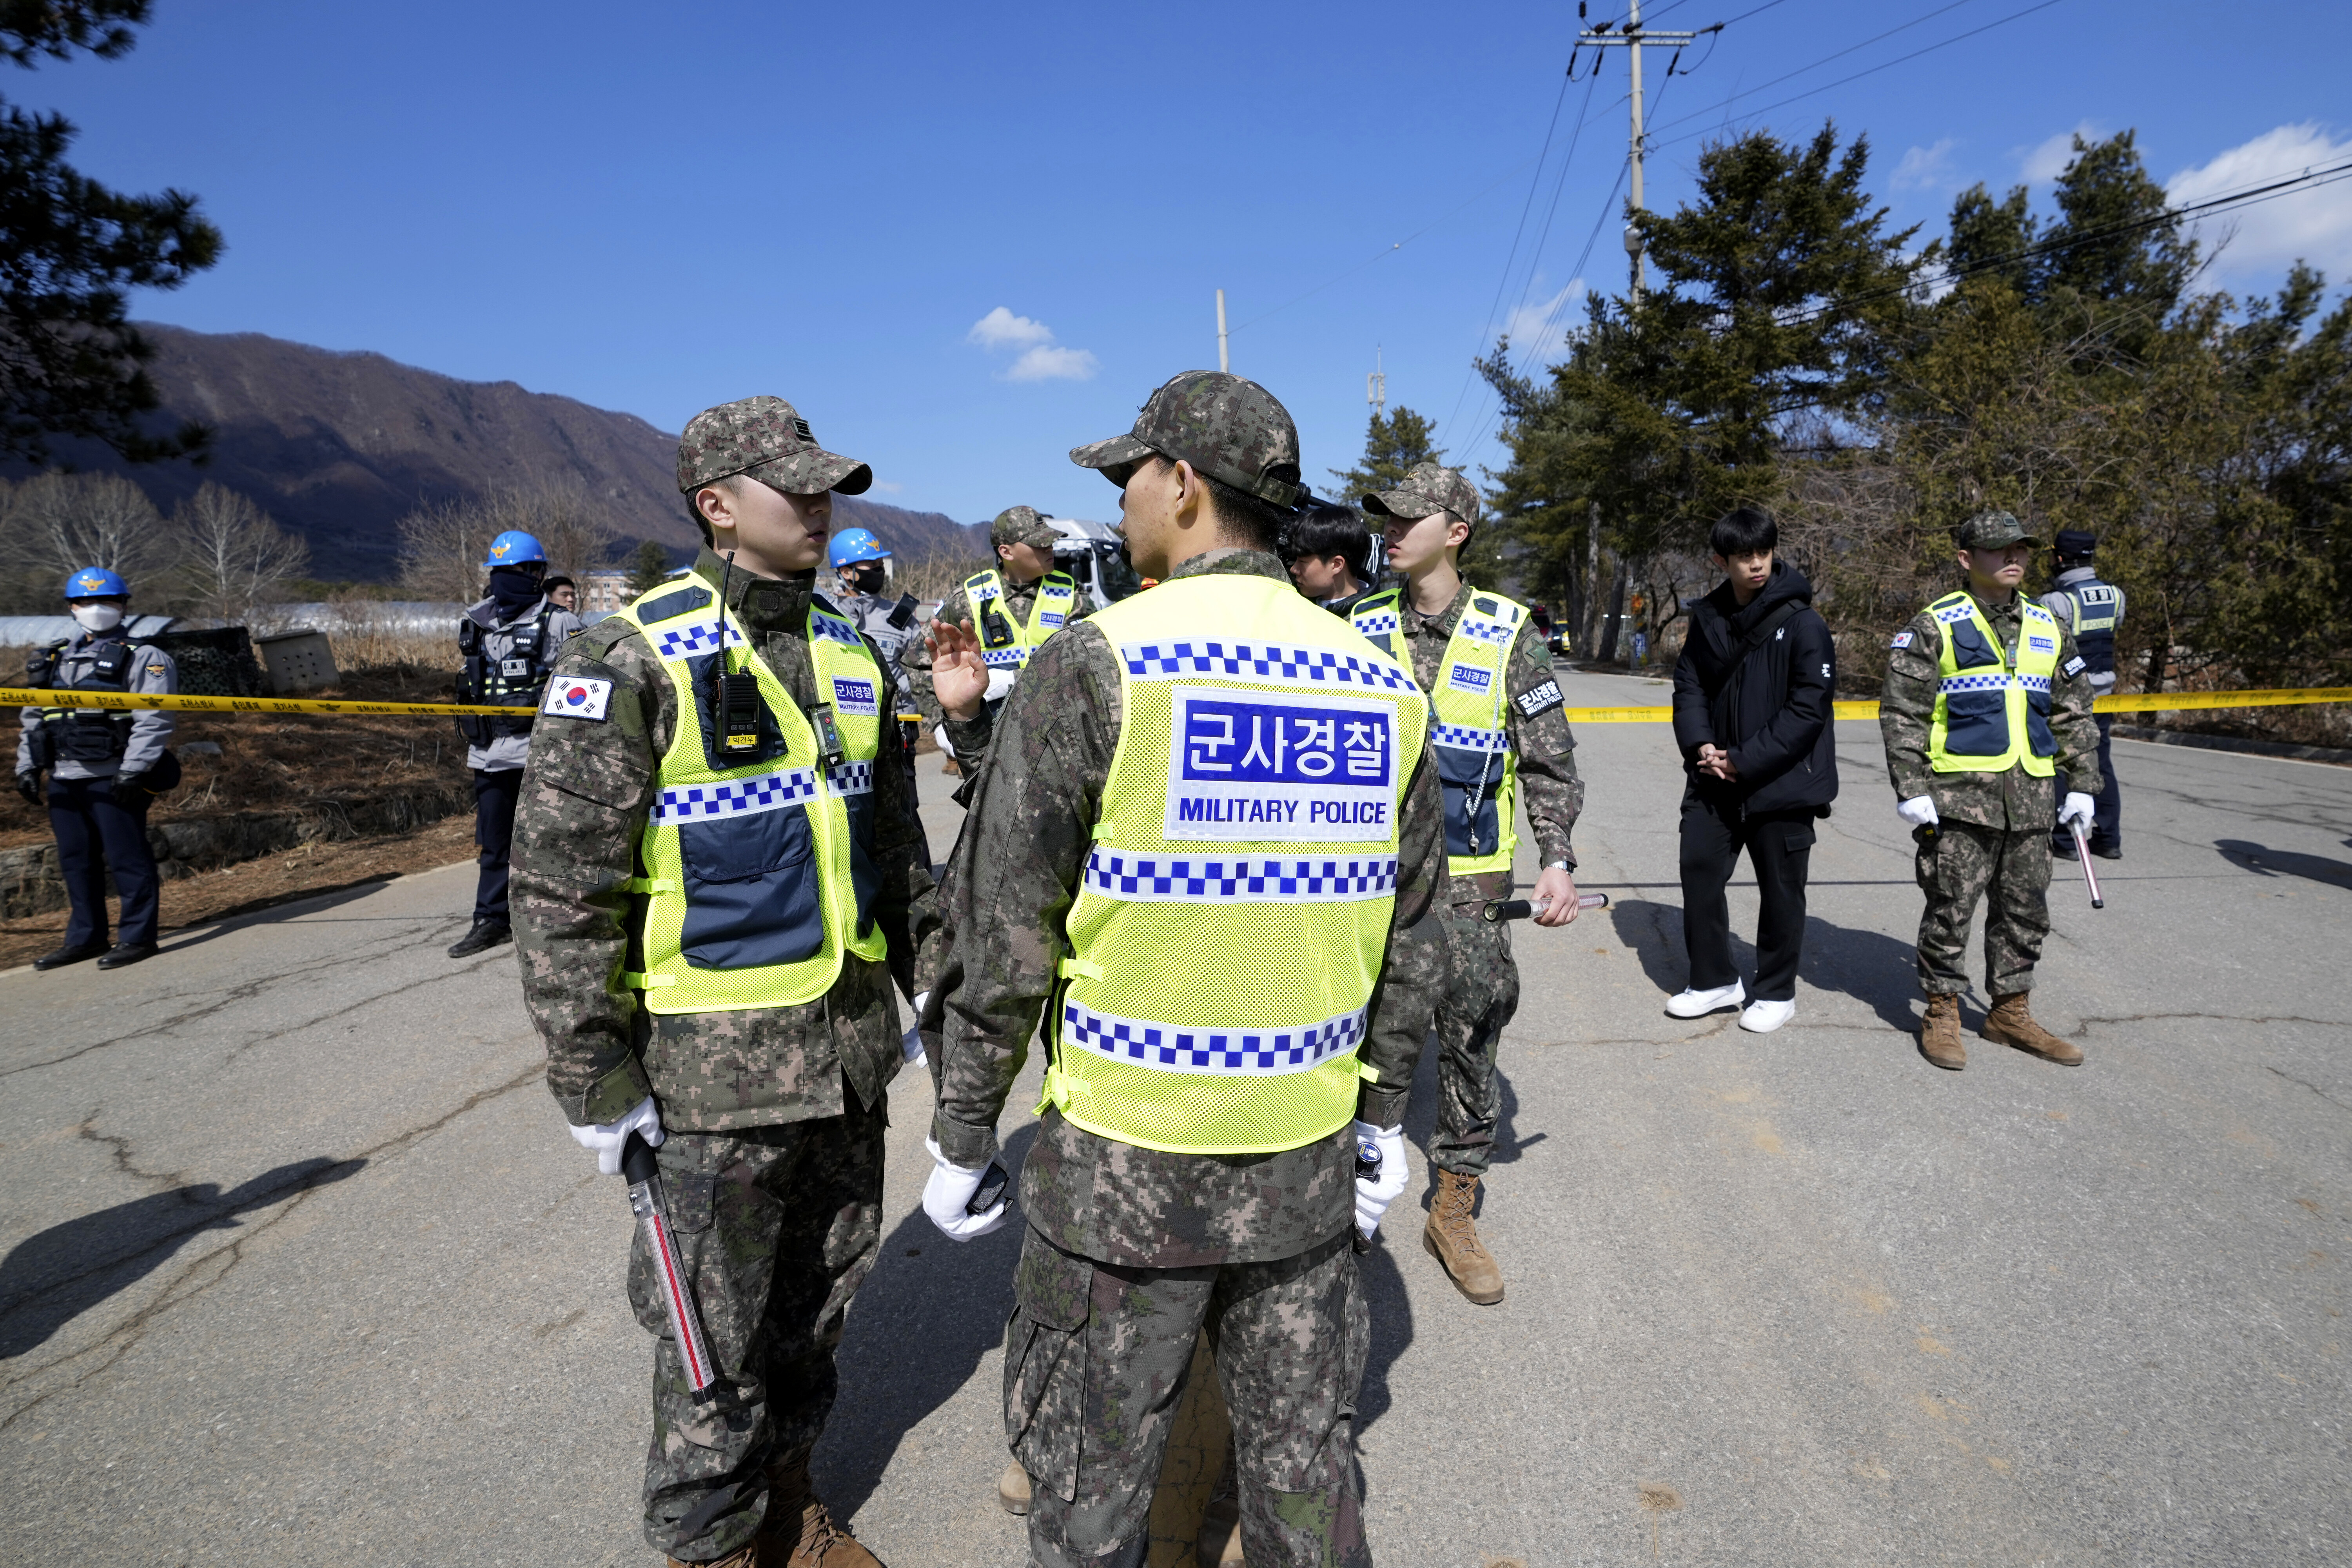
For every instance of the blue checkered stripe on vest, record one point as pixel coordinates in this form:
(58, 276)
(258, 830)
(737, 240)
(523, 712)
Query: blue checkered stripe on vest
(702, 637)
(1995, 682)
(833, 627)
(1952, 613)
(1480, 629)
(735, 797)
(1464, 738)
(1246, 879)
(1375, 623)
(1264, 661)
(2034, 682)
(1220, 1053)
(1004, 658)
(851, 778)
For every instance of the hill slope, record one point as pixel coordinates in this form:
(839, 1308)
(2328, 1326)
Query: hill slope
(339, 446)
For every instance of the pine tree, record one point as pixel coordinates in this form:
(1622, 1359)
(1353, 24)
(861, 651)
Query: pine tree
(1393, 443)
(648, 568)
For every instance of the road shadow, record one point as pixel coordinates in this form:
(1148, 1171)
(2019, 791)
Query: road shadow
(924, 1321)
(51, 1278)
(2266, 862)
(1655, 931)
(1875, 969)
(1391, 1313)
(266, 911)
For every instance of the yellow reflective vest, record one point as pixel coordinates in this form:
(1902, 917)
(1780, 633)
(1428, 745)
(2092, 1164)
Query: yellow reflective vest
(1990, 715)
(1004, 643)
(1233, 911)
(1477, 765)
(759, 875)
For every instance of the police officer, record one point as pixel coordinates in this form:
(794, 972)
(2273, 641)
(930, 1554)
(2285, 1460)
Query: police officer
(718, 886)
(1500, 737)
(1013, 607)
(2091, 610)
(105, 768)
(857, 560)
(1986, 698)
(508, 643)
(1186, 793)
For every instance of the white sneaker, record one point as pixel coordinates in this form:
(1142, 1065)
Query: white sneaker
(1699, 1004)
(1763, 1017)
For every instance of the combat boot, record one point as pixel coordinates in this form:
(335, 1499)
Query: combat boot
(2009, 1024)
(1939, 1034)
(800, 1531)
(1013, 1490)
(1452, 1238)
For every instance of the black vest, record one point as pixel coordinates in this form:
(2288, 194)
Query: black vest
(83, 734)
(2094, 601)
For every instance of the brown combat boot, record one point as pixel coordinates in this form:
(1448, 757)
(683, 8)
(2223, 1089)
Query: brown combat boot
(1939, 1034)
(1453, 1239)
(800, 1531)
(1013, 1490)
(2009, 1024)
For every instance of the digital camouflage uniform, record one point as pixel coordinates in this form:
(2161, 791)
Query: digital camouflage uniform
(1131, 1251)
(1014, 525)
(1482, 983)
(1993, 828)
(774, 1117)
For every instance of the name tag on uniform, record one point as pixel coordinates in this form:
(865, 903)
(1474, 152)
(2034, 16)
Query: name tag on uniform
(1470, 678)
(851, 695)
(2041, 645)
(582, 697)
(1243, 767)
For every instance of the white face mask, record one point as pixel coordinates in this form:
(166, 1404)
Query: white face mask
(98, 617)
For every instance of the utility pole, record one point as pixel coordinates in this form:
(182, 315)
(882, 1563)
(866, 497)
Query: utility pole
(1631, 37)
(1222, 362)
(1376, 386)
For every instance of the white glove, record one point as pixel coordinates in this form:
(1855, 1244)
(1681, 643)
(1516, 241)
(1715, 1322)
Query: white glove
(950, 1191)
(2076, 809)
(607, 1138)
(911, 1044)
(1919, 811)
(940, 734)
(1373, 1195)
(999, 684)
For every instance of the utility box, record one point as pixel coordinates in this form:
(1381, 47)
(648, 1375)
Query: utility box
(298, 661)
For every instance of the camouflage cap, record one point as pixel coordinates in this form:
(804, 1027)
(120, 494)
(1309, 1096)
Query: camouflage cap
(1229, 428)
(1024, 525)
(1428, 489)
(764, 437)
(1991, 531)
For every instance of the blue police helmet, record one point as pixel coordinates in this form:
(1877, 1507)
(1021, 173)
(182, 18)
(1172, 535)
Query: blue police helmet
(96, 582)
(855, 544)
(515, 548)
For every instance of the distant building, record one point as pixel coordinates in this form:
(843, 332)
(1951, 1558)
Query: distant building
(602, 593)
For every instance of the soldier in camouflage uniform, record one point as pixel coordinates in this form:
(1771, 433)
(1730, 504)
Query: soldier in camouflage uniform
(1429, 518)
(1130, 1250)
(1986, 832)
(1025, 544)
(770, 1120)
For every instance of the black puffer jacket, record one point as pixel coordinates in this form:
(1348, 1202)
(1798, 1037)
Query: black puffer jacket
(1775, 715)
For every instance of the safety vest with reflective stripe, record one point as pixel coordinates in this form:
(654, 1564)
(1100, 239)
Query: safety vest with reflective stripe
(1991, 715)
(1007, 644)
(1233, 912)
(1475, 763)
(758, 877)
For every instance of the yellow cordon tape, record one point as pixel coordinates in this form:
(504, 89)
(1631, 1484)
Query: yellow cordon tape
(21, 697)
(2132, 702)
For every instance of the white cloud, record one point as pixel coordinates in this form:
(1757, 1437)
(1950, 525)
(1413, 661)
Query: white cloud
(1044, 362)
(1000, 328)
(2315, 225)
(1041, 359)
(2042, 164)
(1538, 329)
(1927, 168)
(888, 487)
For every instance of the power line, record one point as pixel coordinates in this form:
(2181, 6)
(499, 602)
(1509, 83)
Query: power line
(1816, 65)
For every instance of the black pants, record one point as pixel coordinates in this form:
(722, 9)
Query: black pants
(495, 794)
(97, 834)
(1780, 846)
(2108, 809)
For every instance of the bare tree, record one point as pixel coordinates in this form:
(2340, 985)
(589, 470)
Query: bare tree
(60, 522)
(442, 547)
(572, 525)
(441, 550)
(235, 557)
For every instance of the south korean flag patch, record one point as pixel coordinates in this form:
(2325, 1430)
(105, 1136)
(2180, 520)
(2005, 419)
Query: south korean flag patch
(578, 697)
(1902, 639)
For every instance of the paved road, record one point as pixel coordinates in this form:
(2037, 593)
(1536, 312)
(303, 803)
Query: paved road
(302, 1269)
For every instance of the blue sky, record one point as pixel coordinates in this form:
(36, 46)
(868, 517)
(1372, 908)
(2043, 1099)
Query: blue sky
(964, 239)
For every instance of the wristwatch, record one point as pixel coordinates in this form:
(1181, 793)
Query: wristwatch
(1569, 866)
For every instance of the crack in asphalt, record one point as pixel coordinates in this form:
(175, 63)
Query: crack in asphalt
(2313, 1087)
(119, 1340)
(118, 1149)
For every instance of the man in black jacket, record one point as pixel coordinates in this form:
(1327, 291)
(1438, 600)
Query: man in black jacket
(1752, 716)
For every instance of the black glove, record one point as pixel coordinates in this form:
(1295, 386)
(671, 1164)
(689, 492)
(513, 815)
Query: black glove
(29, 784)
(130, 780)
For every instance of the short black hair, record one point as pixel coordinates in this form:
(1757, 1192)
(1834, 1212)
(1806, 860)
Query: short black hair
(558, 581)
(1744, 530)
(1324, 529)
(1260, 523)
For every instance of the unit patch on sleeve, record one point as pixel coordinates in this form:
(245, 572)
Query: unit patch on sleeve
(2074, 667)
(1540, 698)
(581, 697)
